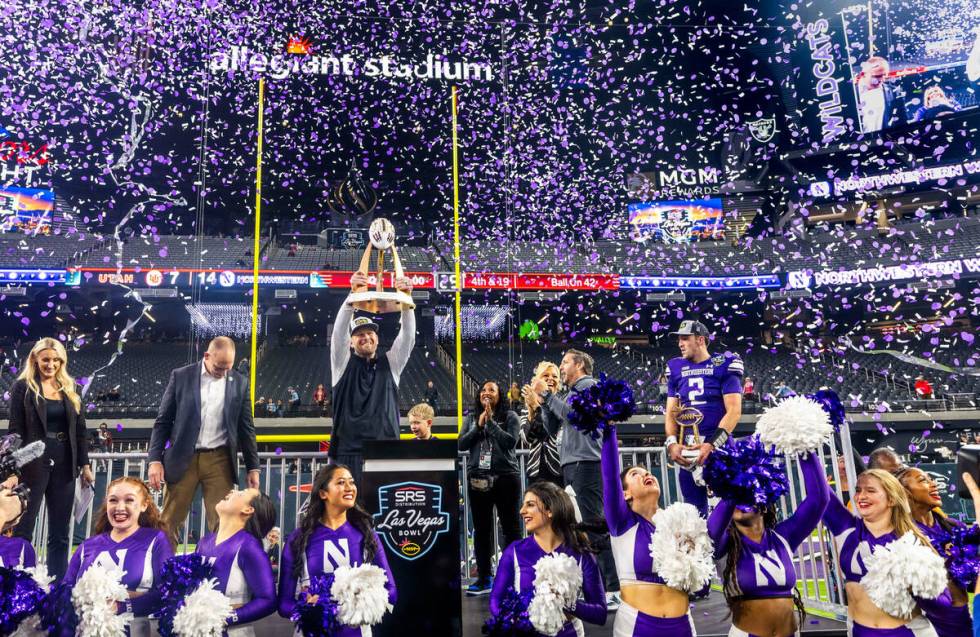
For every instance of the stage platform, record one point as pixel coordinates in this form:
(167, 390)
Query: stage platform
(710, 619)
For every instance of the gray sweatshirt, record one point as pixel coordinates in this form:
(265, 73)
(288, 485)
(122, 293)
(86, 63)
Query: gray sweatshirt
(575, 446)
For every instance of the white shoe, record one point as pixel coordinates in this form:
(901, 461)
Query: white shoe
(613, 602)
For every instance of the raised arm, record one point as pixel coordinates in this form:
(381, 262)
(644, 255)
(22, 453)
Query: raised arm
(504, 579)
(261, 583)
(592, 608)
(718, 523)
(837, 518)
(506, 436)
(798, 526)
(402, 346)
(287, 582)
(619, 517)
(381, 561)
(148, 602)
(340, 342)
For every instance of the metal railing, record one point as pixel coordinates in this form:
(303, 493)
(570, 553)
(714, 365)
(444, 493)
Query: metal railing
(286, 477)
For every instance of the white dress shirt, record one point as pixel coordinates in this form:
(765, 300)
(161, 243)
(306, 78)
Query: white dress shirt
(213, 433)
(873, 109)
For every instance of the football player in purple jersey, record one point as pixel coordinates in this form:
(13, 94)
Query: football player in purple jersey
(704, 390)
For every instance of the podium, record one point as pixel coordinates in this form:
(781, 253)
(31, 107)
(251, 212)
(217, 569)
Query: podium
(411, 487)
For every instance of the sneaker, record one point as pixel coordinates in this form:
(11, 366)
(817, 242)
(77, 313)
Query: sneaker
(613, 602)
(479, 587)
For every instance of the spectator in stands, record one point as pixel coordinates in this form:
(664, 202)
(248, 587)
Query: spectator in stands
(923, 388)
(544, 461)
(243, 366)
(490, 436)
(271, 546)
(113, 394)
(784, 391)
(580, 455)
(420, 419)
(886, 459)
(45, 405)
(206, 418)
(662, 388)
(748, 389)
(105, 438)
(280, 408)
(365, 384)
(514, 397)
(271, 408)
(320, 396)
(431, 395)
(293, 397)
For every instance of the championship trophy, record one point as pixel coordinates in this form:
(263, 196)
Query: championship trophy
(689, 418)
(381, 235)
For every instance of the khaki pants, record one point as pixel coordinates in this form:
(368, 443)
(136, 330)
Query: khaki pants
(213, 471)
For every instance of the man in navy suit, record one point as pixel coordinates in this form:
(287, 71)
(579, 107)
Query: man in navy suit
(206, 417)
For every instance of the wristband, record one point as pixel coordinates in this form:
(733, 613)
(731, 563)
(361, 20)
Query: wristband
(718, 438)
(671, 440)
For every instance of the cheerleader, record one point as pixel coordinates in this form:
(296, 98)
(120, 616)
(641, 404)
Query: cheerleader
(950, 613)
(241, 567)
(16, 552)
(882, 517)
(333, 532)
(130, 534)
(759, 577)
(549, 517)
(630, 500)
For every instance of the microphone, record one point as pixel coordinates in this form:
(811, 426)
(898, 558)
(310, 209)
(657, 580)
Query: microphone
(13, 456)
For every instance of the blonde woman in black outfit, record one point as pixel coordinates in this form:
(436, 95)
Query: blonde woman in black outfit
(45, 405)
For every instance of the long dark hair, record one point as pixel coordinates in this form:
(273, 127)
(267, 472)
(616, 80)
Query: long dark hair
(559, 504)
(356, 515)
(263, 516)
(902, 473)
(730, 574)
(499, 410)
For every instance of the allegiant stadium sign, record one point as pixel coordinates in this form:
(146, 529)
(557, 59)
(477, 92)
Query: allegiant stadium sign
(241, 59)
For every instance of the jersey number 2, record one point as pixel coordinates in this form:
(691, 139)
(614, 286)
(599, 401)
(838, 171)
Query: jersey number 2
(696, 388)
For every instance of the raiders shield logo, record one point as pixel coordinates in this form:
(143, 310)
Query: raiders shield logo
(411, 518)
(763, 129)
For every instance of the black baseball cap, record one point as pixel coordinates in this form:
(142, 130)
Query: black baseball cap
(362, 323)
(691, 328)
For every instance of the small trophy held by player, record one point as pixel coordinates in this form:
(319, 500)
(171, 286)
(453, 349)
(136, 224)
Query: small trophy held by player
(688, 418)
(381, 236)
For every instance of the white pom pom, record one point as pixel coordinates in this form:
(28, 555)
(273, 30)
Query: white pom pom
(360, 593)
(205, 612)
(796, 425)
(30, 627)
(94, 597)
(900, 570)
(682, 551)
(40, 575)
(557, 583)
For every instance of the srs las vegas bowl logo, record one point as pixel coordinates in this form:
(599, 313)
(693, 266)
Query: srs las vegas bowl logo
(411, 518)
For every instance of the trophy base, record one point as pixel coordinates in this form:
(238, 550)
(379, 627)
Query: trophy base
(381, 302)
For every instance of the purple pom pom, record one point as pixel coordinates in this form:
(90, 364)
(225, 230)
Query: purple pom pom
(512, 620)
(57, 612)
(319, 619)
(960, 547)
(746, 472)
(597, 407)
(20, 597)
(180, 576)
(831, 404)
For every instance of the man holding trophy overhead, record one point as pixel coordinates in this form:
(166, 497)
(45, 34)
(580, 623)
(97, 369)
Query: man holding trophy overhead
(365, 384)
(704, 403)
